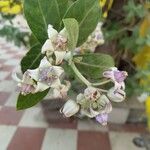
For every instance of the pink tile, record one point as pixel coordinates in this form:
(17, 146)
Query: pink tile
(8, 68)
(3, 97)
(9, 77)
(27, 139)
(2, 61)
(89, 140)
(9, 116)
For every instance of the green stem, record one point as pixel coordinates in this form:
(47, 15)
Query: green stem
(101, 83)
(80, 76)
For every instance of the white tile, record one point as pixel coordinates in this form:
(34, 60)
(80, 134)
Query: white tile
(60, 139)
(118, 115)
(123, 141)
(6, 134)
(12, 100)
(12, 62)
(90, 125)
(33, 117)
(6, 56)
(7, 86)
(3, 75)
(2, 52)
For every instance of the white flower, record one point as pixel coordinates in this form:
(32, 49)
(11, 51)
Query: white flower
(116, 95)
(70, 108)
(91, 93)
(46, 75)
(26, 84)
(116, 76)
(60, 91)
(103, 105)
(57, 44)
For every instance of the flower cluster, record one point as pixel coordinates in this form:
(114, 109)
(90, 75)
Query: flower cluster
(49, 74)
(94, 102)
(95, 39)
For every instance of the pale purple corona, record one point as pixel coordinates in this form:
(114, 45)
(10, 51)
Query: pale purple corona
(115, 75)
(102, 118)
(26, 89)
(61, 42)
(47, 75)
(120, 76)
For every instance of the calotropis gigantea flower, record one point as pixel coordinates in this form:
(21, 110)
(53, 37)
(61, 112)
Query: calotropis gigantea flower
(116, 95)
(93, 103)
(26, 85)
(46, 75)
(116, 76)
(57, 44)
(60, 91)
(70, 108)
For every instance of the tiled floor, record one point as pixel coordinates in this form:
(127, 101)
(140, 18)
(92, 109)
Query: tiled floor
(28, 130)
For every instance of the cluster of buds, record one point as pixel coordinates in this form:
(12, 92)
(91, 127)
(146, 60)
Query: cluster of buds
(95, 39)
(94, 103)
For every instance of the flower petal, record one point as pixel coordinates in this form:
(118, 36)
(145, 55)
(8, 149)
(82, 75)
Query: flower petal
(41, 87)
(48, 46)
(59, 56)
(58, 70)
(63, 33)
(44, 63)
(34, 74)
(52, 33)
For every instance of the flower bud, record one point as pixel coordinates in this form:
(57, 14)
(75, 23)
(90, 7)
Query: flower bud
(70, 108)
(102, 119)
(116, 95)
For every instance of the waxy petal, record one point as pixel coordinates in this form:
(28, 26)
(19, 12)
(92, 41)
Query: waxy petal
(52, 33)
(44, 63)
(59, 56)
(48, 46)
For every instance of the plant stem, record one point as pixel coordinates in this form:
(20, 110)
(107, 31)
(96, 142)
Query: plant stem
(80, 76)
(101, 83)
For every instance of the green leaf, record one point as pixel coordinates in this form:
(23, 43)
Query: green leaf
(32, 58)
(72, 28)
(27, 101)
(40, 13)
(87, 13)
(93, 65)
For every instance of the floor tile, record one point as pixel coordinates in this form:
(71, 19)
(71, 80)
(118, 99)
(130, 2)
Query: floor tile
(27, 139)
(6, 134)
(60, 139)
(88, 140)
(91, 125)
(9, 116)
(7, 86)
(123, 141)
(4, 97)
(13, 62)
(140, 128)
(12, 100)
(3, 75)
(33, 117)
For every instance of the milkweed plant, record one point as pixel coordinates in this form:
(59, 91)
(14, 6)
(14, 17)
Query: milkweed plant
(66, 34)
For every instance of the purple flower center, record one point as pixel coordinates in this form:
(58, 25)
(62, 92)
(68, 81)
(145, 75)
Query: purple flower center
(120, 76)
(48, 75)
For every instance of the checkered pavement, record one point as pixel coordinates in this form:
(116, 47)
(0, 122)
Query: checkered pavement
(28, 129)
